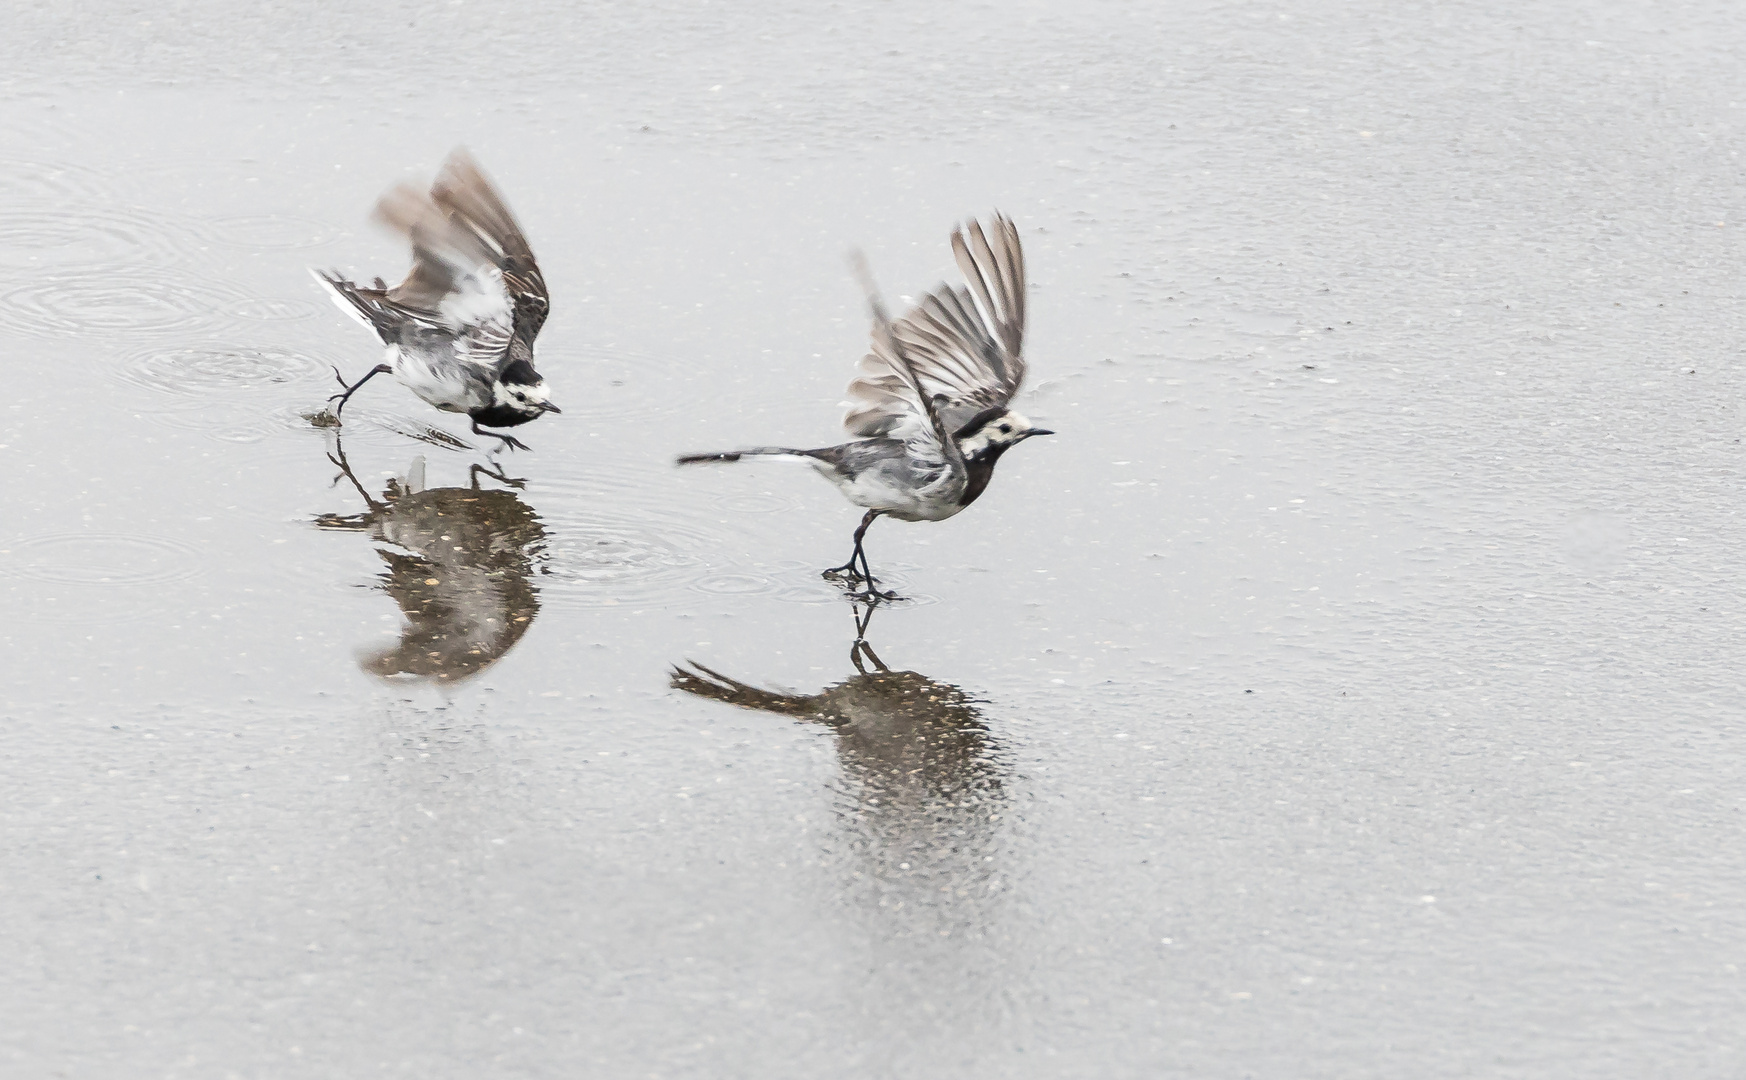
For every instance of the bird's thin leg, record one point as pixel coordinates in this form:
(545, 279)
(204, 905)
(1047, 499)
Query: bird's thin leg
(849, 568)
(510, 441)
(379, 369)
(872, 595)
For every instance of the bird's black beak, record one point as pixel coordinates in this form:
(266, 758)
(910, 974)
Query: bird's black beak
(546, 406)
(1038, 431)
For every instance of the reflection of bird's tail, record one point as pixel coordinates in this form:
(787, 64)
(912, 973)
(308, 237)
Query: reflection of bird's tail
(756, 451)
(704, 682)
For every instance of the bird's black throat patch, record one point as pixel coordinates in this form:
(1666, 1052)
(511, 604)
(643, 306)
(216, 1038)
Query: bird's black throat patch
(501, 416)
(979, 471)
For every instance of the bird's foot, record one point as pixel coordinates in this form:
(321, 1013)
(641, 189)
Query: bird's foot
(848, 572)
(504, 442)
(340, 397)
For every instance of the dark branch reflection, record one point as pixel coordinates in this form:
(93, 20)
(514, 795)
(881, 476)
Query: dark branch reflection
(461, 569)
(925, 783)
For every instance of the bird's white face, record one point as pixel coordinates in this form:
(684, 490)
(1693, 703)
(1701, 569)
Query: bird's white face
(1001, 432)
(529, 399)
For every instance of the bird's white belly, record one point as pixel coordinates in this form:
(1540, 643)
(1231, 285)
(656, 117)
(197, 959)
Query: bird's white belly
(442, 385)
(876, 490)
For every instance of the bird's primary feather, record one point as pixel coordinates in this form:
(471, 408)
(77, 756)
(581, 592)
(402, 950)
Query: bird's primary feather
(963, 344)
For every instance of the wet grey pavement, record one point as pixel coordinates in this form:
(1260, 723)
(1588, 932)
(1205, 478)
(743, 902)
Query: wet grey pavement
(1351, 689)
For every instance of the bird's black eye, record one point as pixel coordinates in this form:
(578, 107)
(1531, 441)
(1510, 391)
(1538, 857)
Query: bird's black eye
(1006, 429)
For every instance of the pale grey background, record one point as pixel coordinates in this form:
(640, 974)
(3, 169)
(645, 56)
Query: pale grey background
(1395, 355)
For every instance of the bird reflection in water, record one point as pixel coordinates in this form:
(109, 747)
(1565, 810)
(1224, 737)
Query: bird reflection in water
(924, 781)
(461, 568)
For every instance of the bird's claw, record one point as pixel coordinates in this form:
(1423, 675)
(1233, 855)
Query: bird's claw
(510, 442)
(858, 587)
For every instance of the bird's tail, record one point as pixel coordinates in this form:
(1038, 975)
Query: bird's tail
(756, 451)
(364, 305)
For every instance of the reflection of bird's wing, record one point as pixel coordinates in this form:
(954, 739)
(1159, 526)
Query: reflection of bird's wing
(460, 618)
(473, 274)
(964, 345)
(465, 583)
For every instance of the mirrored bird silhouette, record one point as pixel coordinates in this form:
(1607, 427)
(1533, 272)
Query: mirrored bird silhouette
(928, 775)
(460, 329)
(932, 401)
(460, 566)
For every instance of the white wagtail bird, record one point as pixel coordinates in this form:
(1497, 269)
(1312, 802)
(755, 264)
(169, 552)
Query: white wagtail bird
(460, 329)
(931, 402)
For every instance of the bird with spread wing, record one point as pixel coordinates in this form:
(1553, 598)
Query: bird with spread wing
(931, 405)
(460, 329)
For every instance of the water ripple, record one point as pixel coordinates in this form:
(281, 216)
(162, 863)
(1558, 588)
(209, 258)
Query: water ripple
(135, 301)
(619, 556)
(53, 182)
(205, 369)
(233, 421)
(99, 559)
(271, 309)
(53, 238)
(733, 584)
(613, 542)
(756, 502)
(278, 232)
(612, 384)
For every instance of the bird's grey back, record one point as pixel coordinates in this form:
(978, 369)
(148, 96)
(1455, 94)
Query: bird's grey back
(890, 456)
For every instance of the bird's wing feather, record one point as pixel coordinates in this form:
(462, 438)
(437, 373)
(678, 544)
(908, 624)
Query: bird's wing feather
(964, 345)
(463, 189)
(918, 424)
(473, 274)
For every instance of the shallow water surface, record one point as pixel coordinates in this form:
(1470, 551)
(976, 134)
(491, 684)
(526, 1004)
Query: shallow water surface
(1350, 688)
